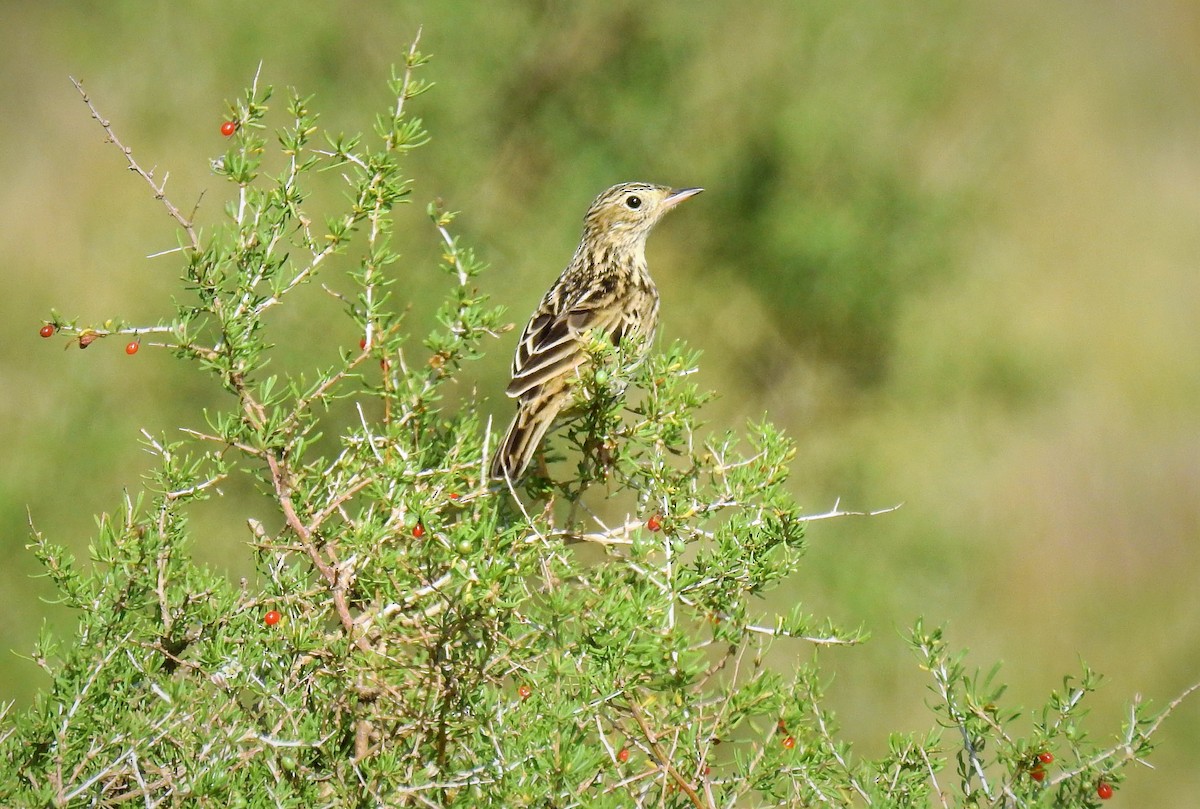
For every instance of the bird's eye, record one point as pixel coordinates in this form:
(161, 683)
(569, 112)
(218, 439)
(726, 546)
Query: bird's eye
(633, 201)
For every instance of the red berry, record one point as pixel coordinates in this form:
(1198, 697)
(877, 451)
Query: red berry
(523, 691)
(707, 770)
(623, 755)
(47, 331)
(362, 343)
(1037, 773)
(418, 530)
(1104, 790)
(789, 742)
(454, 495)
(1045, 758)
(132, 348)
(654, 523)
(780, 727)
(271, 618)
(228, 128)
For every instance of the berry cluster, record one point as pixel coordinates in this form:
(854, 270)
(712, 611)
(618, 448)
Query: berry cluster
(1037, 771)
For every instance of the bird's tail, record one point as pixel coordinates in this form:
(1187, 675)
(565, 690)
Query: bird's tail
(524, 436)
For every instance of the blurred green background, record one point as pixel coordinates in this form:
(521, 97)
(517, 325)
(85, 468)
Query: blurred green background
(951, 247)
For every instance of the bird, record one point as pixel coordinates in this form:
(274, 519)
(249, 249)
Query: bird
(606, 287)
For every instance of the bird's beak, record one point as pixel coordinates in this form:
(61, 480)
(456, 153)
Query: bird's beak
(678, 195)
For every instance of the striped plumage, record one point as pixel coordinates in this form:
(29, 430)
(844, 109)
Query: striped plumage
(606, 286)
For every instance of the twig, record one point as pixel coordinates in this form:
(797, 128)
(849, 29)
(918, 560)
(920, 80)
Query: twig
(832, 746)
(159, 188)
(336, 578)
(933, 777)
(837, 511)
(825, 640)
(1126, 746)
(663, 760)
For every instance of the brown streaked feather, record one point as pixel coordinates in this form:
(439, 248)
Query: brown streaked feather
(524, 436)
(550, 342)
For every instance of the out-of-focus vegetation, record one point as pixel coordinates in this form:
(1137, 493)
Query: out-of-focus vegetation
(951, 247)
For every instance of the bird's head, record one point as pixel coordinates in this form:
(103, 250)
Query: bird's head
(628, 211)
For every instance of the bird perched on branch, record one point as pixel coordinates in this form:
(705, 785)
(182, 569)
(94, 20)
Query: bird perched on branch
(606, 287)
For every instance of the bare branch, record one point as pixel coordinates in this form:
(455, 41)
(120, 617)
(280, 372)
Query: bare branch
(159, 188)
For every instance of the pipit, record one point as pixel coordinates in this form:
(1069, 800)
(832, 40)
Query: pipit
(606, 287)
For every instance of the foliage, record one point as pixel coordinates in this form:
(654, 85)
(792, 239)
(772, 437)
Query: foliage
(418, 635)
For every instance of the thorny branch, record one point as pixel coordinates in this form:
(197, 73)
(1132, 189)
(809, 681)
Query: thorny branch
(159, 187)
(663, 759)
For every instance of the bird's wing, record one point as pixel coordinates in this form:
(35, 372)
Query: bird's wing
(549, 346)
